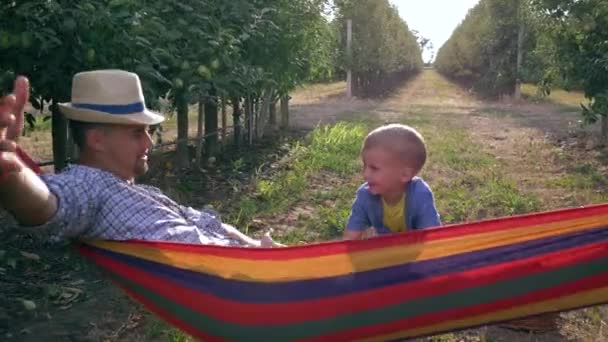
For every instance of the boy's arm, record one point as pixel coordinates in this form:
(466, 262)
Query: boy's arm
(352, 234)
(428, 216)
(358, 222)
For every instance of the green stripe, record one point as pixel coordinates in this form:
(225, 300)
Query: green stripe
(453, 300)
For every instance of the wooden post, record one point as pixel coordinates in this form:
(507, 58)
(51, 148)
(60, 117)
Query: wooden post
(349, 76)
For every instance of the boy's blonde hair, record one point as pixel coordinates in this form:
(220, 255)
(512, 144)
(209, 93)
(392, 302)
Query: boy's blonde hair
(404, 141)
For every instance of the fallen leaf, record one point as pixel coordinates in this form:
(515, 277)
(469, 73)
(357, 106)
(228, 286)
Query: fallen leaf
(28, 304)
(30, 256)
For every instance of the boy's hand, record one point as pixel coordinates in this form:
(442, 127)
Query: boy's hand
(369, 233)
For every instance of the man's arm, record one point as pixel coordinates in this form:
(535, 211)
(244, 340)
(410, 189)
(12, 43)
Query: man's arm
(265, 242)
(26, 196)
(22, 192)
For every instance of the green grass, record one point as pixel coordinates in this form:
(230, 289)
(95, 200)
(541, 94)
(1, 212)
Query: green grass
(470, 183)
(333, 149)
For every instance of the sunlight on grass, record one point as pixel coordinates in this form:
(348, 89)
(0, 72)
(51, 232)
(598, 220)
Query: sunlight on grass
(558, 96)
(314, 92)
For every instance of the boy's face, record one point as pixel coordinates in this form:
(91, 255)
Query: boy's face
(384, 172)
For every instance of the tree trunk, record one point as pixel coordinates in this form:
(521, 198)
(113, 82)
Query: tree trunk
(224, 119)
(59, 132)
(520, 43)
(285, 111)
(249, 119)
(183, 159)
(211, 123)
(272, 115)
(604, 130)
(264, 112)
(236, 120)
(199, 130)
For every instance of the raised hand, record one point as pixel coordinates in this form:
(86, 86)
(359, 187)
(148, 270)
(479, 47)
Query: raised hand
(21, 92)
(11, 124)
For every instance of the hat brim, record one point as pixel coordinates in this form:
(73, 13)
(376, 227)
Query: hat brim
(146, 117)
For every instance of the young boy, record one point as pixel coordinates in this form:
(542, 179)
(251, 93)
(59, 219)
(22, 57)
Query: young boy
(392, 199)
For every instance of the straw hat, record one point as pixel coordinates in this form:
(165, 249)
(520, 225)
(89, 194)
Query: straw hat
(108, 96)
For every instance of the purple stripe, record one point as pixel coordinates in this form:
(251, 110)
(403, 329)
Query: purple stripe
(278, 292)
(130, 108)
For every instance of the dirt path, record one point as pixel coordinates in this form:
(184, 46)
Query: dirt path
(535, 142)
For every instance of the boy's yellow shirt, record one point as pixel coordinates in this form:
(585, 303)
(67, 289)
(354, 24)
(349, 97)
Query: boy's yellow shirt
(394, 216)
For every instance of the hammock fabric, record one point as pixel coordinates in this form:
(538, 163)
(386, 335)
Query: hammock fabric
(391, 287)
(386, 288)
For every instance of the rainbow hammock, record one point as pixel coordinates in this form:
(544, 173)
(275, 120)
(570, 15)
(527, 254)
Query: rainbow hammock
(406, 285)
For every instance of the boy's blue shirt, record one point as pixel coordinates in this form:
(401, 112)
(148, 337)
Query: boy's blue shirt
(420, 208)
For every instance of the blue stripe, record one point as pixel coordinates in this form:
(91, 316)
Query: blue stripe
(280, 292)
(136, 107)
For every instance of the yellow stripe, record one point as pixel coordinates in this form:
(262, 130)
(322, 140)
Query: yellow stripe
(580, 299)
(340, 264)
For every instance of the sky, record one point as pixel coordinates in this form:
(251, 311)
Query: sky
(433, 19)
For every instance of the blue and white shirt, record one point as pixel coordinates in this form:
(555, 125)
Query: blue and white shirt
(95, 204)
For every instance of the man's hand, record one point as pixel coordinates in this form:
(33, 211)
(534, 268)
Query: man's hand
(22, 192)
(11, 124)
(267, 242)
(21, 92)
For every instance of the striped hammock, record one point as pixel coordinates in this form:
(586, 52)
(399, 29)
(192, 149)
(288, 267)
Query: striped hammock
(391, 287)
(387, 288)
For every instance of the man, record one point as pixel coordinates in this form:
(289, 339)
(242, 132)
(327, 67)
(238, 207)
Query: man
(97, 197)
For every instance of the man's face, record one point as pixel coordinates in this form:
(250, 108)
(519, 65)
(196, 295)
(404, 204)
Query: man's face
(125, 148)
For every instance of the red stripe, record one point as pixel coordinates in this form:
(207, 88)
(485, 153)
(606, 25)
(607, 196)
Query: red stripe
(419, 236)
(330, 307)
(168, 317)
(27, 160)
(436, 318)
